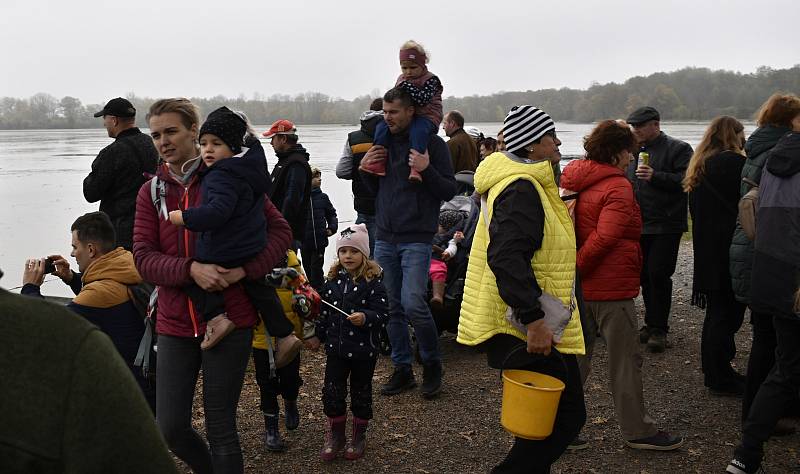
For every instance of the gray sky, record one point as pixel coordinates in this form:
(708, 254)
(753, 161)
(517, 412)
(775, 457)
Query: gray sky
(95, 50)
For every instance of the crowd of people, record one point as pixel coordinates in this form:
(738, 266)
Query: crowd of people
(547, 261)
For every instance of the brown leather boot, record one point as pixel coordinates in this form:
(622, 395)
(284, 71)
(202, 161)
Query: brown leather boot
(219, 327)
(437, 300)
(358, 443)
(335, 438)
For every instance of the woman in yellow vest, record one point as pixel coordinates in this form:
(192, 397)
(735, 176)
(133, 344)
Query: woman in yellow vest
(524, 247)
(286, 381)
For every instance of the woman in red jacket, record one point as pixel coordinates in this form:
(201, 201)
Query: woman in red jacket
(607, 226)
(163, 254)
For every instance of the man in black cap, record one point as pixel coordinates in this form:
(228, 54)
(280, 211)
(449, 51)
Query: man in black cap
(657, 178)
(118, 171)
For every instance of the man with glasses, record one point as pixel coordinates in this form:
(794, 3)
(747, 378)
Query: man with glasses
(657, 178)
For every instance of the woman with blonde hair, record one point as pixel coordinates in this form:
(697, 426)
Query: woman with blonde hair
(712, 181)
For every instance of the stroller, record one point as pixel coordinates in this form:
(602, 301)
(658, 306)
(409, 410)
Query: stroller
(446, 316)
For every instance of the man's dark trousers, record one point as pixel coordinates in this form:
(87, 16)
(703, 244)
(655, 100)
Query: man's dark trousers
(660, 254)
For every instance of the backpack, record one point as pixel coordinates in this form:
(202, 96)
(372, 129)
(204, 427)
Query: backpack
(144, 296)
(748, 204)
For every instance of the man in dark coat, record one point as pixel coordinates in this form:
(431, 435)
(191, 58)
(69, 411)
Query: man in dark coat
(291, 178)
(407, 217)
(663, 202)
(118, 171)
(358, 142)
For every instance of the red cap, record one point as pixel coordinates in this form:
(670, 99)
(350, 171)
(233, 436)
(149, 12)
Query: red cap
(281, 127)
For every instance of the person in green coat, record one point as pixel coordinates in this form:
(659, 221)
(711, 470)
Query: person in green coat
(68, 402)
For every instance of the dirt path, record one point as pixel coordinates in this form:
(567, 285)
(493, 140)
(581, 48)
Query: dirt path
(460, 432)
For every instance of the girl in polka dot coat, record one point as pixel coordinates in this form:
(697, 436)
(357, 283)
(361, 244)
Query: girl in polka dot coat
(349, 328)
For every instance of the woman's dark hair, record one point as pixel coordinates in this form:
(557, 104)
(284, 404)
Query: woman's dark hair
(489, 143)
(608, 139)
(95, 227)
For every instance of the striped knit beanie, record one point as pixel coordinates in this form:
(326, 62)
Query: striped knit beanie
(524, 125)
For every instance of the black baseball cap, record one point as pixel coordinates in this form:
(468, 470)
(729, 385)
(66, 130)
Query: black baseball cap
(642, 115)
(118, 107)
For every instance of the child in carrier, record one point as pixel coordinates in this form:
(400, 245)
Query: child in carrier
(349, 327)
(425, 89)
(445, 245)
(233, 228)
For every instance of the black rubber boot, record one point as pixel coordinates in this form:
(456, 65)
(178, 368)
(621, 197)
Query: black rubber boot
(273, 441)
(291, 414)
(401, 379)
(431, 380)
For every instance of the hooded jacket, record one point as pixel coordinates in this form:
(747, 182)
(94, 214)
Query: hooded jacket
(757, 148)
(164, 253)
(104, 301)
(231, 215)
(359, 142)
(321, 219)
(662, 200)
(608, 225)
(291, 188)
(776, 261)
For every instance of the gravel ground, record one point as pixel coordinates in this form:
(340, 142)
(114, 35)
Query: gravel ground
(459, 432)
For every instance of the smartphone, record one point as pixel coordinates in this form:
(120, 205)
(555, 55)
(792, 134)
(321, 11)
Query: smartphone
(49, 266)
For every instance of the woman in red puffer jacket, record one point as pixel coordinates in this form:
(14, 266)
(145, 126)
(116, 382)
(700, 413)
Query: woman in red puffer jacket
(164, 256)
(608, 225)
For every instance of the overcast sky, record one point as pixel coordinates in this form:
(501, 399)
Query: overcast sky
(95, 50)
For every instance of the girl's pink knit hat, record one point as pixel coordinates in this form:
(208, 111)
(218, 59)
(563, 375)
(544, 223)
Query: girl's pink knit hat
(355, 236)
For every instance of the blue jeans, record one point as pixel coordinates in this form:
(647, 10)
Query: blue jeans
(419, 133)
(405, 275)
(369, 221)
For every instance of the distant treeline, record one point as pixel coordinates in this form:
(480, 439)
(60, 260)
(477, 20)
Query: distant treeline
(686, 94)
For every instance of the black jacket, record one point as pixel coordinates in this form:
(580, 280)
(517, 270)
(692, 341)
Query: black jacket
(291, 188)
(231, 216)
(662, 200)
(340, 336)
(758, 145)
(321, 218)
(516, 232)
(407, 212)
(116, 176)
(713, 204)
(776, 261)
(360, 141)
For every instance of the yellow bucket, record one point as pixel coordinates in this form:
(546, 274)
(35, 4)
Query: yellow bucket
(530, 403)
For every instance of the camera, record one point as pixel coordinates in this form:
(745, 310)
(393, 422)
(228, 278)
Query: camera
(49, 266)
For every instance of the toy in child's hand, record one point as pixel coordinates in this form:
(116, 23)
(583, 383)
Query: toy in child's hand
(305, 299)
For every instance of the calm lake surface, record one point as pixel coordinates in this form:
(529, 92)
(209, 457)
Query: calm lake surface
(42, 171)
